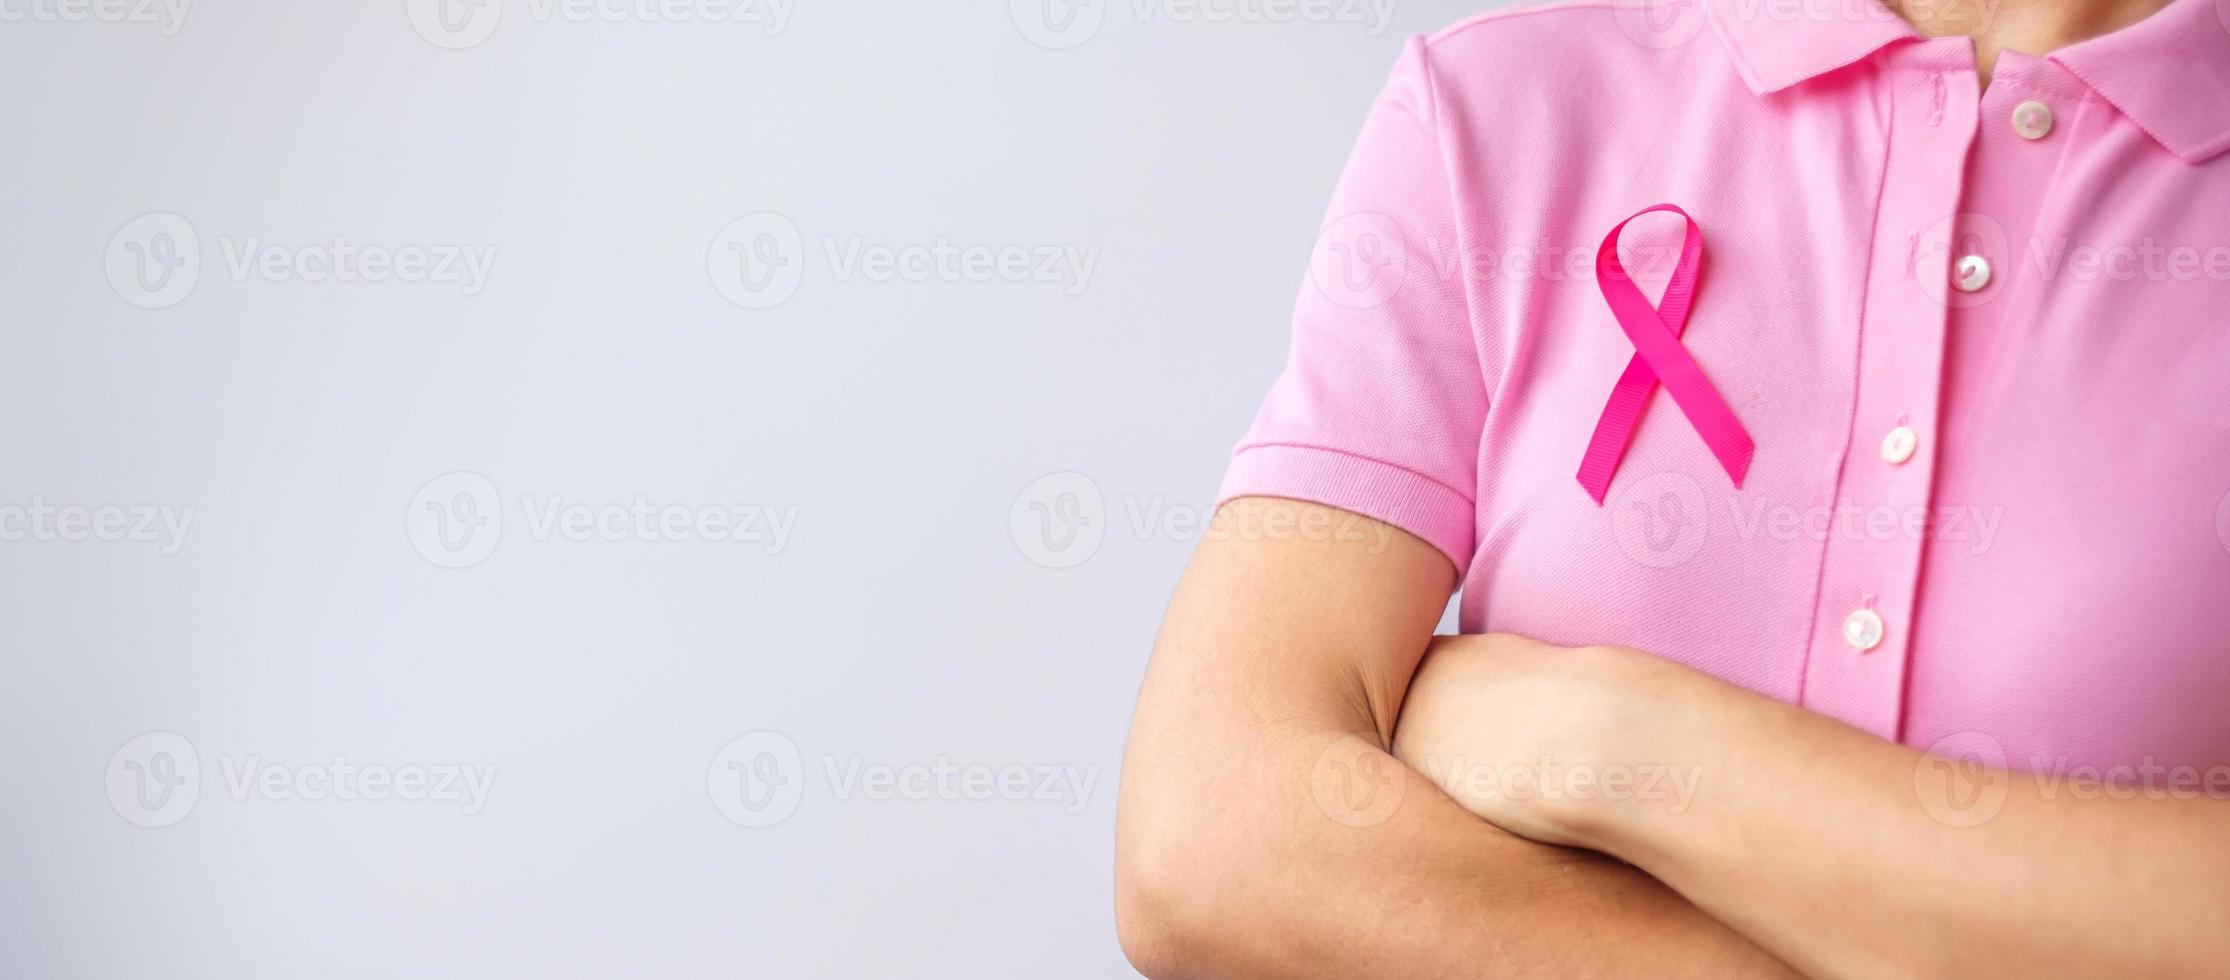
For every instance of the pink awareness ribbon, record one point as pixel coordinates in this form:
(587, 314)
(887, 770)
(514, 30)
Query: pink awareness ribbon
(1658, 356)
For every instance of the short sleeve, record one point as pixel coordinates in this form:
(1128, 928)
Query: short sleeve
(1380, 405)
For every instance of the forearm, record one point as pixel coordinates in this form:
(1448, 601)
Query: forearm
(1315, 875)
(1263, 832)
(1843, 854)
(1851, 856)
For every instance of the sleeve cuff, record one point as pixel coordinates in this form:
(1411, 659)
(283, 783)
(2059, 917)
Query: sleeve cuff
(1418, 504)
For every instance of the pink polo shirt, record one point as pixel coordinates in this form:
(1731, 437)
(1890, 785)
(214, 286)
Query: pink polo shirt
(1980, 339)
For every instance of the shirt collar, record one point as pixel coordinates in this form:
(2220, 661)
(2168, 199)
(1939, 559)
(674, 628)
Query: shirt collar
(2169, 73)
(1778, 43)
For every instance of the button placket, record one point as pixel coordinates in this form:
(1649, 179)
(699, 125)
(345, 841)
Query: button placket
(1861, 634)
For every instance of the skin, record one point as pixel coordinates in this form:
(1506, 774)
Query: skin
(1264, 830)
(1844, 854)
(1249, 841)
(2032, 27)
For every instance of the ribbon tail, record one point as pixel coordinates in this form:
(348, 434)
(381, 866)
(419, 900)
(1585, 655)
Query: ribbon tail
(1615, 430)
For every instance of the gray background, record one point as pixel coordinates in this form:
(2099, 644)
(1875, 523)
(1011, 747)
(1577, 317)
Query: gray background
(919, 609)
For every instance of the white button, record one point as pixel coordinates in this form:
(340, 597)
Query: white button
(1972, 273)
(1899, 444)
(2032, 119)
(1862, 629)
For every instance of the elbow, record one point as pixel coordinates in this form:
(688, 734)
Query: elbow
(1160, 933)
(1173, 908)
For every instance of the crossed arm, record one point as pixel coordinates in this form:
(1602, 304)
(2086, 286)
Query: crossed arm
(1266, 831)
(1255, 838)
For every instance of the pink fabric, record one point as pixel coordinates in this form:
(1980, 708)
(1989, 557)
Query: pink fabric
(2051, 565)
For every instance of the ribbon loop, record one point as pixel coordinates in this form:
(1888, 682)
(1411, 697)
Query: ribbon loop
(1658, 357)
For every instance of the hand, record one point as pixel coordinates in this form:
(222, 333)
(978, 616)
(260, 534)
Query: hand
(1540, 739)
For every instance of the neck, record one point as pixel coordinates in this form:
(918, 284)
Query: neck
(2032, 27)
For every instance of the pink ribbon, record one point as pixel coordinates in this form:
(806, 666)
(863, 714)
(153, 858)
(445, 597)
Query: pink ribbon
(1658, 356)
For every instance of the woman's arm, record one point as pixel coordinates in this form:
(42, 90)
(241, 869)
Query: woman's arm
(1264, 833)
(1844, 854)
